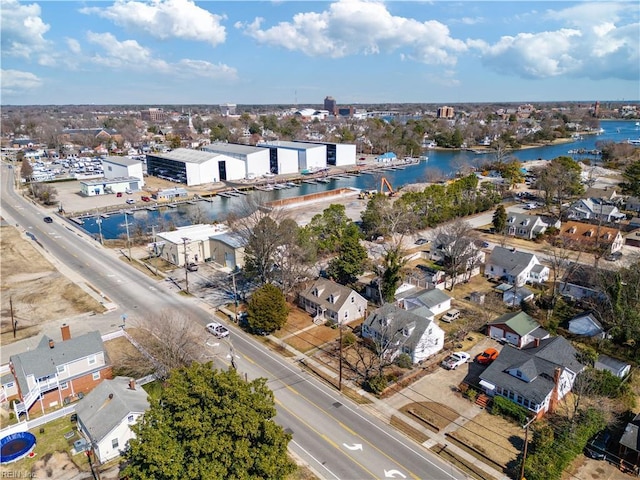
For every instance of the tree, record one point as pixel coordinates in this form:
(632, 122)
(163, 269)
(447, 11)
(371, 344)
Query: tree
(499, 219)
(209, 424)
(267, 309)
(45, 193)
(455, 241)
(295, 255)
(391, 277)
(560, 180)
(350, 262)
(26, 170)
(631, 174)
(331, 228)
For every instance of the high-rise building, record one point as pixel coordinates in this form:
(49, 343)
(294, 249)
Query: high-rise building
(330, 105)
(227, 109)
(153, 115)
(446, 112)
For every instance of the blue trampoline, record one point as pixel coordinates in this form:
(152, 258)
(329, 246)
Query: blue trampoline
(15, 446)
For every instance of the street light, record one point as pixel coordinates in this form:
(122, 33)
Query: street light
(186, 262)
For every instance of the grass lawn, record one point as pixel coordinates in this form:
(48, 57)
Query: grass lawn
(432, 413)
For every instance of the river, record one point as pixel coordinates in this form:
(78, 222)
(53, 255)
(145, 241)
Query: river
(443, 162)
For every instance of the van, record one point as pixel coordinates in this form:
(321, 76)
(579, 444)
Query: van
(451, 315)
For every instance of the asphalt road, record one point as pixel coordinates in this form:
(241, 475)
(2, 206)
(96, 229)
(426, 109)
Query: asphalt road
(335, 437)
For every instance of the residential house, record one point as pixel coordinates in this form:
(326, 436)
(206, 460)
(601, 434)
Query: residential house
(594, 209)
(514, 296)
(463, 250)
(106, 414)
(516, 328)
(435, 301)
(516, 267)
(526, 226)
(397, 331)
(633, 204)
(54, 373)
(607, 194)
(583, 282)
(586, 325)
(630, 442)
(616, 367)
(592, 237)
(328, 300)
(536, 377)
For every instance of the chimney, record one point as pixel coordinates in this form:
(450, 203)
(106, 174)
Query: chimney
(536, 342)
(555, 394)
(51, 344)
(132, 384)
(66, 332)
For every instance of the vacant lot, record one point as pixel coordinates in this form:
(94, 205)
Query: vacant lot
(34, 289)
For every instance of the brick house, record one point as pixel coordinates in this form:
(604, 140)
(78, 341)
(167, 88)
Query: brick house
(55, 373)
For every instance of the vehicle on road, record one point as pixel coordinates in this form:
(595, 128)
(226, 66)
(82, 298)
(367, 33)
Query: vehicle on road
(130, 201)
(192, 267)
(612, 257)
(597, 447)
(485, 244)
(451, 315)
(218, 330)
(456, 359)
(119, 194)
(128, 191)
(488, 356)
(48, 220)
(421, 241)
(145, 199)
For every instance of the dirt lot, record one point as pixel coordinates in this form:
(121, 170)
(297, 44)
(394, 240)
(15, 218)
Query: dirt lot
(35, 290)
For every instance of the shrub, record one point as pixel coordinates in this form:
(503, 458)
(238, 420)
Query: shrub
(404, 361)
(376, 384)
(507, 408)
(471, 394)
(348, 339)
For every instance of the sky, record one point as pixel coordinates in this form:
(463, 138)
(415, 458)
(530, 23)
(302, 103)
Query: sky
(297, 53)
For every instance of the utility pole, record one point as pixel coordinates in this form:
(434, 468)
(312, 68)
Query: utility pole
(14, 322)
(526, 444)
(235, 297)
(99, 222)
(126, 223)
(186, 263)
(340, 358)
(155, 248)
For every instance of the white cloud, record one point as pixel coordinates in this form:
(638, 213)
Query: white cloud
(130, 55)
(597, 41)
(22, 29)
(165, 19)
(74, 46)
(352, 27)
(16, 82)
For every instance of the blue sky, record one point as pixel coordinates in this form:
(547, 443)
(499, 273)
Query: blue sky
(244, 52)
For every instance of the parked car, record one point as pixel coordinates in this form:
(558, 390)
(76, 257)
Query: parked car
(145, 199)
(128, 191)
(597, 447)
(130, 201)
(48, 220)
(612, 257)
(421, 241)
(218, 330)
(456, 359)
(488, 356)
(119, 194)
(485, 244)
(192, 267)
(451, 315)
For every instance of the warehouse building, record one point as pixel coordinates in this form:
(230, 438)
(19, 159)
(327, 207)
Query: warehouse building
(194, 167)
(256, 159)
(338, 154)
(294, 157)
(119, 167)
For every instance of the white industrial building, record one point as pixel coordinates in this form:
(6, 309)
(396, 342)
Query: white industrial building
(338, 154)
(120, 167)
(308, 157)
(195, 167)
(256, 159)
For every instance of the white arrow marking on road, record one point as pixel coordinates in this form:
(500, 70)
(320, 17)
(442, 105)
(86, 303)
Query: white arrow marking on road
(394, 474)
(355, 446)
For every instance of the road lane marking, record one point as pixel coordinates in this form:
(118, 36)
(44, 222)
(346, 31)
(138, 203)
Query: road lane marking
(394, 474)
(315, 459)
(354, 447)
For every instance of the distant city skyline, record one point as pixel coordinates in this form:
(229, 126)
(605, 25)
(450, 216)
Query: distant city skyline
(297, 53)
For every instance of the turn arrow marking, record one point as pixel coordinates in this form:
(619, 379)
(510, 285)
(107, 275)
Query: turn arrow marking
(394, 474)
(355, 446)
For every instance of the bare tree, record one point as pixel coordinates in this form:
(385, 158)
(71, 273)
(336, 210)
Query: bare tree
(456, 243)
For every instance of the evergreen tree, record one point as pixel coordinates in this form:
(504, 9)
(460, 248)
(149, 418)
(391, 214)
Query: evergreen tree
(209, 424)
(391, 277)
(267, 309)
(350, 262)
(500, 219)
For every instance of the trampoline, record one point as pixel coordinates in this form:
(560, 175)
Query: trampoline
(15, 446)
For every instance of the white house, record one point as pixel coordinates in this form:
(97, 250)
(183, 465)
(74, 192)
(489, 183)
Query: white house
(516, 328)
(436, 301)
(516, 267)
(594, 209)
(106, 414)
(526, 226)
(398, 331)
(119, 167)
(328, 300)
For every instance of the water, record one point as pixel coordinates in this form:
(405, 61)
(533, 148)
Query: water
(443, 162)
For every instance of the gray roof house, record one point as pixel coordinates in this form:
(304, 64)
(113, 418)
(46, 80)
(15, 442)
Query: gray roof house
(586, 325)
(105, 415)
(630, 442)
(516, 328)
(536, 377)
(514, 266)
(435, 301)
(594, 209)
(328, 300)
(526, 226)
(397, 331)
(616, 367)
(633, 203)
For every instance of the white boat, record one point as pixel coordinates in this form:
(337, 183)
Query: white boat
(634, 142)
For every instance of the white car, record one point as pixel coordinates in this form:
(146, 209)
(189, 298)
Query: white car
(456, 359)
(218, 330)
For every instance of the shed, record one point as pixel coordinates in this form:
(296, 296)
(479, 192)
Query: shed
(477, 297)
(618, 368)
(586, 325)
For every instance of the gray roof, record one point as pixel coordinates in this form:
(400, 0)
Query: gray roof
(630, 437)
(430, 298)
(185, 155)
(398, 319)
(42, 361)
(519, 220)
(100, 412)
(232, 148)
(512, 260)
(125, 161)
(290, 145)
(537, 363)
(327, 289)
(109, 181)
(585, 323)
(231, 239)
(613, 365)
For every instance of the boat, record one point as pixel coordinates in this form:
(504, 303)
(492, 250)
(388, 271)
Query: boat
(634, 142)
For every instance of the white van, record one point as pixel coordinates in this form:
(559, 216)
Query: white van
(451, 315)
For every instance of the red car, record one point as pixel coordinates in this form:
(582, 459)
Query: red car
(146, 199)
(488, 356)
